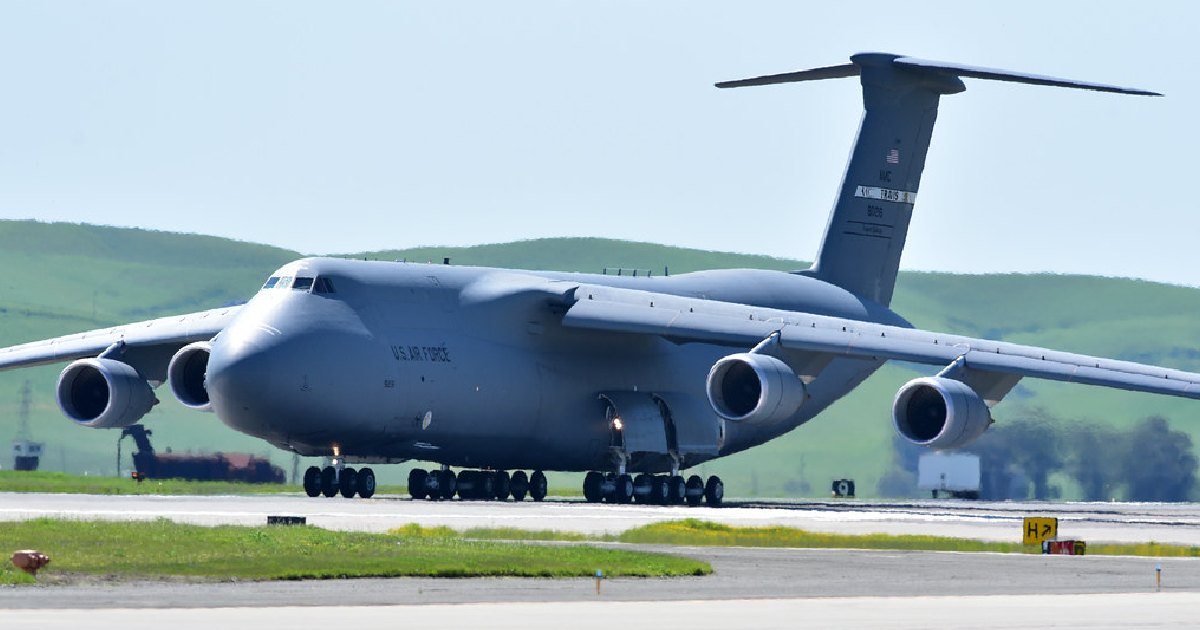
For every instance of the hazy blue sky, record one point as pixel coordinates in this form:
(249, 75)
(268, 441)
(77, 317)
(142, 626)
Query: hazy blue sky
(332, 127)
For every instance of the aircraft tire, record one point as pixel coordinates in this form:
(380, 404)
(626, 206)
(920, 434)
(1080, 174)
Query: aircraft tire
(446, 484)
(416, 483)
(592, 492)
(538, 486)
(502, 487)
(519, 484)
(676, 490)
(467, 484)
(312, 481)
(642, 480)
(658, 490)
(487, 485)
(329, 484)
(714, 491)
(695, 490)
(348, 482)
(624, 490)
(366, 483)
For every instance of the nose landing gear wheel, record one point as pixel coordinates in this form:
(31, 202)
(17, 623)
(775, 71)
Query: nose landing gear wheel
(348, 483)
(592, 492)
(312, 481)
(329, 484)
(623, 493)
(366, 483)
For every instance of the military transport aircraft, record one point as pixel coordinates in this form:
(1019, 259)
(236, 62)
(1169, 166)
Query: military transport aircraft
(495, 370)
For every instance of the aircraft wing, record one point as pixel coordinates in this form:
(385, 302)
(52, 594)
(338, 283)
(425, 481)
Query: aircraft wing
(176, 330)
(814, 338)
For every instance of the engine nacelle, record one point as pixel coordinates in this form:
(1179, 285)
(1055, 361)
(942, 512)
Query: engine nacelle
(103, 393)
(186, 373)
(755, 388)
(939, 413)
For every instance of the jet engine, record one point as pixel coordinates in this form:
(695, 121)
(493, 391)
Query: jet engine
(103, 393)
(755, 388)
(186, 373)
(939, 413)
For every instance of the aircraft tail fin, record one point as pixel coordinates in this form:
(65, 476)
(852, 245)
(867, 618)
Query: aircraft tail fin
(869, 223)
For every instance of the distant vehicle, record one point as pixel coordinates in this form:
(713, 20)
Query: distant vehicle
(238, 467)
(622, 377)
(949, 474)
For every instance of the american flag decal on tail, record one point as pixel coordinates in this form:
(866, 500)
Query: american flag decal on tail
(893, 156)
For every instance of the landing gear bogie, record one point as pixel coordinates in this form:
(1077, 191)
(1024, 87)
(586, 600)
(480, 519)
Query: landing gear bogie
(650, 489)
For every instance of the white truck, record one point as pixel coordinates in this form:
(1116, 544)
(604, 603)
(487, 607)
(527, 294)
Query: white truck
(949, 474)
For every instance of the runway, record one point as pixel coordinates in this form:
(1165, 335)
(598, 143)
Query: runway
(765, 588)
(1092, 522)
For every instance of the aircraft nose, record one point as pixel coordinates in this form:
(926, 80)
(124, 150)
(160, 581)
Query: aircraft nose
(244, 368)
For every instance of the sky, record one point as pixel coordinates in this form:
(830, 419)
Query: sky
(340, 127)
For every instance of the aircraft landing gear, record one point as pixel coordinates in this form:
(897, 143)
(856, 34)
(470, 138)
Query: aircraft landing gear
(652, 489)
(330, 482)
(485, 485)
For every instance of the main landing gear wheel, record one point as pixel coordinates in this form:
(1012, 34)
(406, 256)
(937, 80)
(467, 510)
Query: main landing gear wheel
(366, 483)
(592, 490)
(312, 481)
(714, 491)
(538, 486)
(694, 490)
(502, 487)
(329, 483)
(417, 484)
(446, 484)
(658, 491)
(519, 485)
(676, 490)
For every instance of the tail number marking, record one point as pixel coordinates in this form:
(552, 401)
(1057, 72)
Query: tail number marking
(886, 194)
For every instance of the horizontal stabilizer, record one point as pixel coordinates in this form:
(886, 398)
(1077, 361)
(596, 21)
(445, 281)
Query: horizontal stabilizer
(926, 66)
(993, 74)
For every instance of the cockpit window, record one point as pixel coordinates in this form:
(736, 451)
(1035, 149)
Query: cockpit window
(285, 282)
(323, 285)
(302, 283)
(271, 282)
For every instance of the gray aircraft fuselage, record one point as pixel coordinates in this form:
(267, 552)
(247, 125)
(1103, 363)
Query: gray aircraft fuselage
(470, 366)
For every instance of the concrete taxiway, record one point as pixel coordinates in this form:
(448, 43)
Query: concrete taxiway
(1093, 522)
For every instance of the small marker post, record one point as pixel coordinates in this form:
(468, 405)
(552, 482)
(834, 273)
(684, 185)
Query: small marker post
(1157, 578)
(599, 576)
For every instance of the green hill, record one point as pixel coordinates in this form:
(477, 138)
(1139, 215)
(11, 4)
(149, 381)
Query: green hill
(63, 278)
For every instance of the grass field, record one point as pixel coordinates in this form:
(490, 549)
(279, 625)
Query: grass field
(66, 278)
(162, 549)
(694, 532)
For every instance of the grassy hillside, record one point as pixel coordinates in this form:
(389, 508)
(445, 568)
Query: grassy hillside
(65, 278)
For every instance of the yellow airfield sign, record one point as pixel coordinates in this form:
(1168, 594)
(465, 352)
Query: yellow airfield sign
(1038, 528)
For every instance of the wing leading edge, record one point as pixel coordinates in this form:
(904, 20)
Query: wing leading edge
(694, 320)
(164, 331)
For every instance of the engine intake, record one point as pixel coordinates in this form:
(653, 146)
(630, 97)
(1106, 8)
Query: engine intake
(939, 413)
(754, 388)
(103, 393)
(186, 374)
